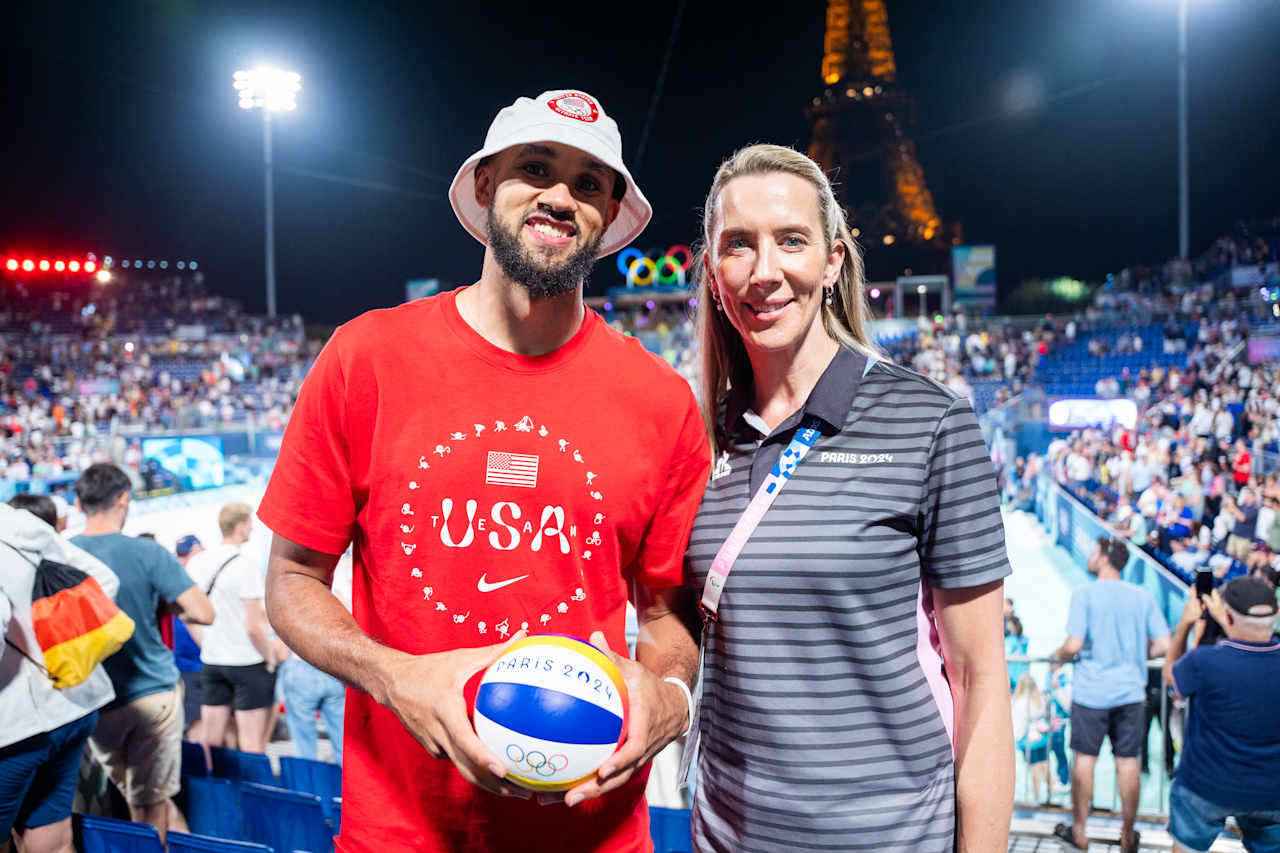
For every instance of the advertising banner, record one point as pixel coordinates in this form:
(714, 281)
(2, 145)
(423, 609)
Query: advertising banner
(973, 276)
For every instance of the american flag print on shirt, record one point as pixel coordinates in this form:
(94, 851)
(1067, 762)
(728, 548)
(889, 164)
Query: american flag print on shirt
(511, 469)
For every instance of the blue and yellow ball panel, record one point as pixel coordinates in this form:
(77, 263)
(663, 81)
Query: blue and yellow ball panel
(554, 708)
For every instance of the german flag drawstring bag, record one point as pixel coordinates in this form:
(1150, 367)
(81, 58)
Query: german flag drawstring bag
(76, 624)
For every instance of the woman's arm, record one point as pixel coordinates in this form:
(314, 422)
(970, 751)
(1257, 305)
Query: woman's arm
(969, 623)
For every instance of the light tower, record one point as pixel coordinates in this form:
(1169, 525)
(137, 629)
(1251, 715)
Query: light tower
(269, 90)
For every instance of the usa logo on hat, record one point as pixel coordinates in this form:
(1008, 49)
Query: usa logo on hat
(575, 105)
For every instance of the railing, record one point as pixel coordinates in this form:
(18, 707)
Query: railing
(246, 445)
(1033, 777)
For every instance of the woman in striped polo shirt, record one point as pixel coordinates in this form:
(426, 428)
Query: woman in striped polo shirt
(829, 720)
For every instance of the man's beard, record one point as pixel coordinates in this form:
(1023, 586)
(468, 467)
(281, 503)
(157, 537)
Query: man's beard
(521, 265)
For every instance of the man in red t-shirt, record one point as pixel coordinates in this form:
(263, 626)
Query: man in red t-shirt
(503, 462)
(1241, 464)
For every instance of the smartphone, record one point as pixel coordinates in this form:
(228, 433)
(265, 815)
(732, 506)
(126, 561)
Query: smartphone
(1204, 583)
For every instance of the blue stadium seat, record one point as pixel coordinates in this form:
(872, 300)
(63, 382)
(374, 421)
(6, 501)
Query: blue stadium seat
(671, 830)
(313, 777)
(242, 766)
(108, 835)
(285, 820)
(193, 759)
(213, 807)
(181, 842)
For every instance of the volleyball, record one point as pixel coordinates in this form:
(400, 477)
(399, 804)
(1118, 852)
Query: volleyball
(553, 708)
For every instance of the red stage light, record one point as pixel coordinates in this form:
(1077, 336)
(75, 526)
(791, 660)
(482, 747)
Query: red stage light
(11, 264)
(90, 266)
(28, 265)
(44, 265)
(59, 266)
(74, 266)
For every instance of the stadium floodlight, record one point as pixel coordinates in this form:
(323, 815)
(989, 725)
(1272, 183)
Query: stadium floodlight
(270, 90)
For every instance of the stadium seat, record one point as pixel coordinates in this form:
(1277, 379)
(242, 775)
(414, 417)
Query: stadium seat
(285, 820)
(313, 777)
(194, 762)
(213, 807)
(242, 766)
(671, 830)
(181, 842)
(108, 835)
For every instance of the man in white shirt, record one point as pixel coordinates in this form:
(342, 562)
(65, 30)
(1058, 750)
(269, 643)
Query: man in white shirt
(239, 661)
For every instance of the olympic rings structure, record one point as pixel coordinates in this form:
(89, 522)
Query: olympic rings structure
(535, 761)
(643, 269)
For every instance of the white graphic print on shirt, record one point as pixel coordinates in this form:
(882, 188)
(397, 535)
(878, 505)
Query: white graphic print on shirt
(539, 526)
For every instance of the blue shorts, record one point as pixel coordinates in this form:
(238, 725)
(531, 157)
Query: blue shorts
(1195, 823)
(38, 775)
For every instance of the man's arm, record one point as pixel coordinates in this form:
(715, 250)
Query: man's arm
(194, 607)
(424, 691)
(969, 627)
(1177, 645)
(1069, 649)
(659, 711)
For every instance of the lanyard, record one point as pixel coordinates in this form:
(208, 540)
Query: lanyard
(764, 497)
(718, 574)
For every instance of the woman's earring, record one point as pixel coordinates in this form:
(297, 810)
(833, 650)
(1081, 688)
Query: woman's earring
(828, 299)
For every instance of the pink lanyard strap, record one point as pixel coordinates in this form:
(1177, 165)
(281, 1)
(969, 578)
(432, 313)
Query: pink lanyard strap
(764, 497)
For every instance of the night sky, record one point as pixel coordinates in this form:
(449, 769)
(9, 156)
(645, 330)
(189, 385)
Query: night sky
(1045, 128)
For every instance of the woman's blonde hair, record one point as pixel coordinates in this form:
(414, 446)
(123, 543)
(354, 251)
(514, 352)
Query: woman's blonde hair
(846, 318)
(1028, 689)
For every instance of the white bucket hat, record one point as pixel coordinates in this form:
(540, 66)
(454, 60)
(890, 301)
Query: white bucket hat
(569, 117)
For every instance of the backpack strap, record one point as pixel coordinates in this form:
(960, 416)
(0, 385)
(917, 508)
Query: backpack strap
(214, 580)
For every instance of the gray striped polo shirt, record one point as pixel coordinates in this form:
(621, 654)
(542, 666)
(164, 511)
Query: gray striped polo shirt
(825, 712)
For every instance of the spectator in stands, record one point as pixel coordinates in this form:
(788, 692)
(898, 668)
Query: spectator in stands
(139, 735)
(236, 651)
(1114, 626)
(44, 727)
(41, 506)
(1231, 745)
(186, 649)
(1245, 514)
(1031, 733)
(515, 356)
(1241, 462)
(1015, 644)
(1058, 691)
(309, 691)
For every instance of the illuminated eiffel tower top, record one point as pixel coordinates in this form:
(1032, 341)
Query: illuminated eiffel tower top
(861, 133)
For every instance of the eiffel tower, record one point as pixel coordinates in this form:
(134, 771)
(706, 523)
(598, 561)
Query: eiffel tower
(861, 137)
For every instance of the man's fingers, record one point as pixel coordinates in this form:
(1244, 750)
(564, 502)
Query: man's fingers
(599, 640)
(486, 655)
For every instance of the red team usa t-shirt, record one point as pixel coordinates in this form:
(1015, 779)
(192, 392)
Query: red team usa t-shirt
(484, 492)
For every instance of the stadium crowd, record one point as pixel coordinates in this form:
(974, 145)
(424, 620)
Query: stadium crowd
(81, 371)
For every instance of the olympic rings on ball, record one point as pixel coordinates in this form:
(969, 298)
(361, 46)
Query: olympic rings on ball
(535, 761)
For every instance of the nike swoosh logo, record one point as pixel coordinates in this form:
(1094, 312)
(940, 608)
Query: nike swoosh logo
(485, 586)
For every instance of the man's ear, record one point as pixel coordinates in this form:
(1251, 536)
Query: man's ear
(484, 184)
